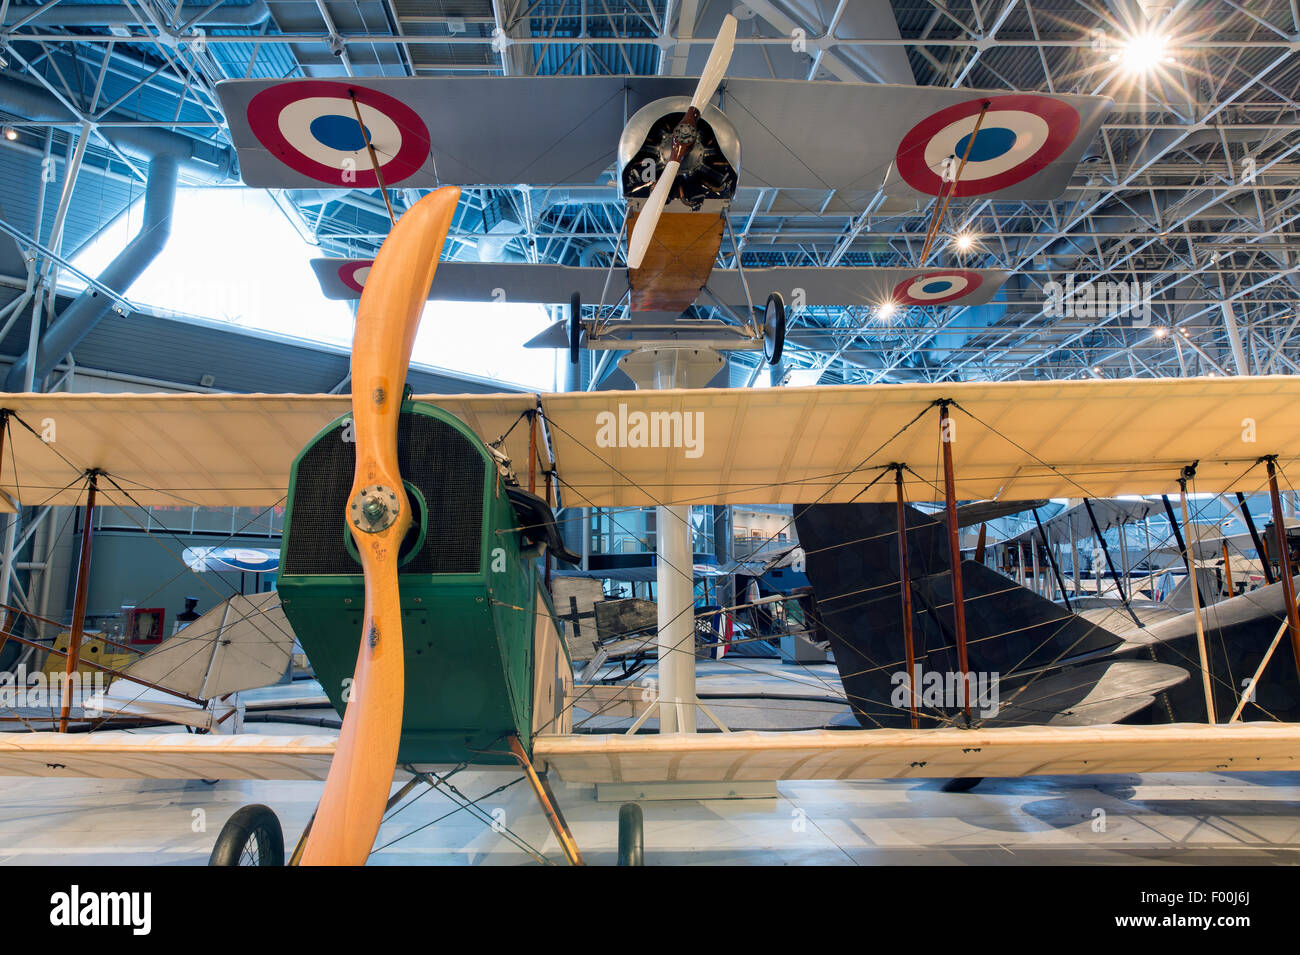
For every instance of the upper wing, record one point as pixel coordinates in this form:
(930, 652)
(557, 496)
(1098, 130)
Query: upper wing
(943, 753)
(559, 130)
(205, 450)
(1012, 440)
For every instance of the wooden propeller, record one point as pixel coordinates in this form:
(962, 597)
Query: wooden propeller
(684, 137)
(378, 515)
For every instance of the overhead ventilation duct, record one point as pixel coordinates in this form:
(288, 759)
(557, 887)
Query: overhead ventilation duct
(113, 14)
(76, 321)
(167, 153)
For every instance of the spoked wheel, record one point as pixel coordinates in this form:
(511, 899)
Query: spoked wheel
(575, 328)
(252, 836)
(774, 328)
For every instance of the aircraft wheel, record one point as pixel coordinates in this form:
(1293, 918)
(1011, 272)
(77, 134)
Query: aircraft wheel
(252, 836)
(575, 328)
(962, 784)
(774, 328)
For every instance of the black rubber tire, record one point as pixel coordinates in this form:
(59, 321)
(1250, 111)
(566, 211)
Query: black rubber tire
(575, 328)
(257, 824)
(774, 328)
(961, 784)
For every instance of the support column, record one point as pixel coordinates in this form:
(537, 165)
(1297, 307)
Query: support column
(79, 602)
(676, 608)
(1284, 559)
(954, 552)
(662, 368)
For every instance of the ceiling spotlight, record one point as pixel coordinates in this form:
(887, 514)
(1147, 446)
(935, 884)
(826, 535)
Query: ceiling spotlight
(1161, 331)
(964, 241)
(11, 134)
(1143, 52)
(886, 310)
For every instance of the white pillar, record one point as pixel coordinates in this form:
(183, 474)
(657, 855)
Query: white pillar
(654, 368)
(676, 608)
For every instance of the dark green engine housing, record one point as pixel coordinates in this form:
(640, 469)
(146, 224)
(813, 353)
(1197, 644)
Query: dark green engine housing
(481, 646)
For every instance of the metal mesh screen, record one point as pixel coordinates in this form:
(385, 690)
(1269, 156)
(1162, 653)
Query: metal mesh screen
(434, 457)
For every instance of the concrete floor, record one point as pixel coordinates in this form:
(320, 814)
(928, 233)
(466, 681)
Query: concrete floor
(1204, 819)
(1188, 819)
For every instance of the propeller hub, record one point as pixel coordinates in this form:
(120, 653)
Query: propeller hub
(374, 508)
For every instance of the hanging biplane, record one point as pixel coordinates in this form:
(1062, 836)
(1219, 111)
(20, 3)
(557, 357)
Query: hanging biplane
(826, 147)
(409, 550)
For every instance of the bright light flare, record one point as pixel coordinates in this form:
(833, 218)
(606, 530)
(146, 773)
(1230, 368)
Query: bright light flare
(886, 310)
(964, 241)
(1143, 52)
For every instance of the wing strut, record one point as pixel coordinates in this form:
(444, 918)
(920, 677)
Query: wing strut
(547, 801)
(946, 436)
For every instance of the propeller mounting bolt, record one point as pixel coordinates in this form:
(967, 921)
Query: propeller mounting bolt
(374, 508)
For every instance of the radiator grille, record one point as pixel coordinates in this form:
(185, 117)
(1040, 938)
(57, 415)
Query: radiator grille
(434, 457)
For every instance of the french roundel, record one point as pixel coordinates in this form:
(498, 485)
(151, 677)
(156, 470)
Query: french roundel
(354, 274)
(936, 288)
(311, 126)
(1019, 136)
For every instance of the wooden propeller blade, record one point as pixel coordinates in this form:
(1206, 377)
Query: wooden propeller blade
(361, 773)
(644, 230)
(716, 67)
(714, 70)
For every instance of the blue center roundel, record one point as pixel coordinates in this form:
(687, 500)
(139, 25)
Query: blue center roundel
(991, 143)
(339, 132)
(934, 288)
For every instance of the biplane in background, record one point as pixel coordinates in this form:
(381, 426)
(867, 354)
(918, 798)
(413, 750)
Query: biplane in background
(432, 608)
(675, 158)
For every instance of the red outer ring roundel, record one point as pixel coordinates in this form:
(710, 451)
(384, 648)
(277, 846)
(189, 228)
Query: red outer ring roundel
(348, 271)
(264, 120)
(1062, 123)
(973, 281)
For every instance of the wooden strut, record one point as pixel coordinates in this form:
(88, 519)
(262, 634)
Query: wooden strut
(79, 602)
(547, 800)
(905, 590)
(954, 554)
(1188, 472)
(374, 159)
(943, 208)
(1284, 558)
